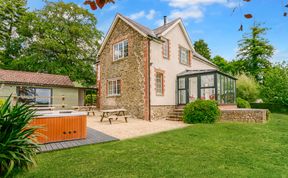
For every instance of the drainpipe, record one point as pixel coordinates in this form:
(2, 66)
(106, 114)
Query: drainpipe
(149, 79)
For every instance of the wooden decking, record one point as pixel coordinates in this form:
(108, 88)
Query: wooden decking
(93, 137)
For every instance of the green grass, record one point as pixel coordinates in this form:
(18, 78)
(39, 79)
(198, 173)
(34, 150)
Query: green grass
(219, 150)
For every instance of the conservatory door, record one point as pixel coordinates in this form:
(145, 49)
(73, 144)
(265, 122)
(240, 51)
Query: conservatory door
(182, 94)
(193, 89)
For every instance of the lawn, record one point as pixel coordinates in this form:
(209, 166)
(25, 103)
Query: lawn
(219, 150)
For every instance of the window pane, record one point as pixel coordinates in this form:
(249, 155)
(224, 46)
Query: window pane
(43, 96)
(208, 94)
(184, 55)
(118, 87)
(159, 84)
(26, 95)
(181, 83)
(125, 48)
(193, 89)
(121, 50)
(166, 49)
(110, 88)
(219, 88)
(116, 52)
(207, 80)
(182, 96)
(222, 89)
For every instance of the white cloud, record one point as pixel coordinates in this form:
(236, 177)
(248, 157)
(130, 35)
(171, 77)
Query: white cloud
(194, 9)
(185, 3)
(149, 15)
(137, 15)
(193, 12)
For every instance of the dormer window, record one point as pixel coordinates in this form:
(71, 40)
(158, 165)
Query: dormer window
(120, 50)
(184, 55)
(166, 49)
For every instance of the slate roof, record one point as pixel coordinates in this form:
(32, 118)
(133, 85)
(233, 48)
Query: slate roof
(148, 31)
(163, 28)
(32, 78)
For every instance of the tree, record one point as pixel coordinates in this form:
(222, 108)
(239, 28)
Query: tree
(275, 85)
(202, 48)
(223, 65)
(11, 18)
(247, 88)
(64, 41)
(255, 52)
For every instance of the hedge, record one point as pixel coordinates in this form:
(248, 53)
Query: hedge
(278, 108)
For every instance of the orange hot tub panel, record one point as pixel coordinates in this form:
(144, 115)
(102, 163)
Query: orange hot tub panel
(62, 128)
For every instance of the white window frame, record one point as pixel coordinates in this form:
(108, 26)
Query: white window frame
(114, 87)
(184, 53)
(159, 91)
(121, 54)
(166, 48)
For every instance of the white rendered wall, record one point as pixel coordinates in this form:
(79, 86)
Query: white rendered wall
(171, 67)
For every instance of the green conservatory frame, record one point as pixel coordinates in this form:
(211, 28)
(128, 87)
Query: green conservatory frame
(206, 84)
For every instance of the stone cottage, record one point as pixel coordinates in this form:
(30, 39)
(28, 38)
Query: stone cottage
(151, 72)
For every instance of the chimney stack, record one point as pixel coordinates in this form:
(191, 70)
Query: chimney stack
(165, 20)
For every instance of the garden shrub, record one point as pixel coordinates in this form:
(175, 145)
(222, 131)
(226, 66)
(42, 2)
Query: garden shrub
(17, 147)
(241, 103)
(275, 108)
(247, 88)
(90, 99)
(2, 102)
(201, 111)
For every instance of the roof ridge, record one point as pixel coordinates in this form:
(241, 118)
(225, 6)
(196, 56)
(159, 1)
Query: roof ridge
(171, 22)
(138, 24)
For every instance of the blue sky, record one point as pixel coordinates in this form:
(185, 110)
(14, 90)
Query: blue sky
(211, 20)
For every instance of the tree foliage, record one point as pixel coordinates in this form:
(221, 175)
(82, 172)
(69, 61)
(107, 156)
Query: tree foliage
(255, 52)
(62, 39)
(11, 19)
(202, 48)
(247, 88)
(275, 85)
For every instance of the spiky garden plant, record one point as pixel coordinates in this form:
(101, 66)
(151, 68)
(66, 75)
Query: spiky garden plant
(17, 147)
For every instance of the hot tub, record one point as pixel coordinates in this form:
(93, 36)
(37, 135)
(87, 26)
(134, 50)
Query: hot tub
(57, 126)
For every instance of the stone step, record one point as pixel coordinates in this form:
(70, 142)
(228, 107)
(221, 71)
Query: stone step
(174, 116)
(175, 113)
(174, 119)
(178, 110)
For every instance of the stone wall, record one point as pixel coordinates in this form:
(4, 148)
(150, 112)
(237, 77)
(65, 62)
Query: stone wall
(130, 70)
(160, 112)
(244, 115)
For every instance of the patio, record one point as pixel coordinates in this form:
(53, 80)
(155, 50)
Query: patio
(100, 132)
(134, 128)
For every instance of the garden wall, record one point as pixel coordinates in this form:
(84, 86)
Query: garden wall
(244, 115)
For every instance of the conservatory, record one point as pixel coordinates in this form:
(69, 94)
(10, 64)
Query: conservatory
(206, 85)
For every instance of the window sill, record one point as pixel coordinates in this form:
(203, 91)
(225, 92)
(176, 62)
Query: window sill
(119, 60)
(113, 96)
(188, 65)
